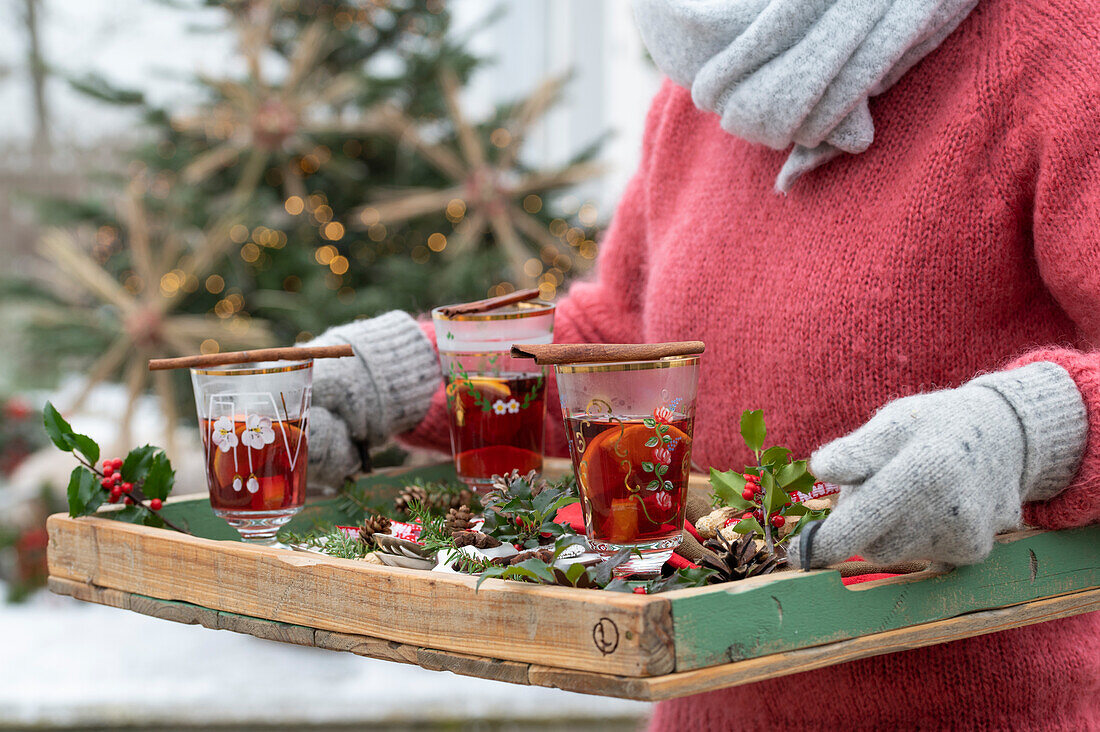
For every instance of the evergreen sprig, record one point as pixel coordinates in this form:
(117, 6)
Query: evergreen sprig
(328, 539)
(433, 531)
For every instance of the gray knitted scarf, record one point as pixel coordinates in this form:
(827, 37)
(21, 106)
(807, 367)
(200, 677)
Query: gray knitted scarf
(783, 72)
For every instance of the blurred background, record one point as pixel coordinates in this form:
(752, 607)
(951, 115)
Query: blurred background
(185, 176)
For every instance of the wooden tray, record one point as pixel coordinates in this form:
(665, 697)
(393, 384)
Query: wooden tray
(634, 646)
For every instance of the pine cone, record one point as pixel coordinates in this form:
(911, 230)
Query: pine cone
(739, 560)
(456, 500)
(373, 525)
(475, 539)
(410, 494)
(503, 483)
(459, 519)
(545, 555)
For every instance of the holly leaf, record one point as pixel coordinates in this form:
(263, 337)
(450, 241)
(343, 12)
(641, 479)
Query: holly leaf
(135, 468)
(790, 472)
(748, 525)
(728, 487)
(537, 568)
(159, 478)
(567, 541)
(805, 521)
(803, 483)
(138, 515)
(752, 429)
(601, 573)
(774, 496)
(84, 492)
(776, 455)
(574, 573)
(62, 435)
(490, 573)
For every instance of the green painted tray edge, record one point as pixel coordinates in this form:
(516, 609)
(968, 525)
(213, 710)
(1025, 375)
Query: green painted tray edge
(805, 609)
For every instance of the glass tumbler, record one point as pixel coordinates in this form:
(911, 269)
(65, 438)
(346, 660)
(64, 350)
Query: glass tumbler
(630, 429)
(496, 404)
(254, 422)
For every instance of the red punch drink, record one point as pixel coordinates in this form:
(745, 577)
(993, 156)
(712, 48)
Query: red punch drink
(254, 419)
(262, 478)
(634, 472)
(496, 404)
(496, 423)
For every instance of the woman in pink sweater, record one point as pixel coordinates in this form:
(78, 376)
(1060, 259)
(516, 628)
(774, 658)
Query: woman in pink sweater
(958, 235)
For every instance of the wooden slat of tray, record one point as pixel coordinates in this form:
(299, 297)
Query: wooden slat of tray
(656, 688)
(552, 625)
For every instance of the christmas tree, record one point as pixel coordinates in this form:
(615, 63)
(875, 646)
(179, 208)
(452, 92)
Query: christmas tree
(335, 177)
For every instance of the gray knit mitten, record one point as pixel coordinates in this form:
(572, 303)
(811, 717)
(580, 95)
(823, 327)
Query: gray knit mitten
(360, 402)
(936, 476)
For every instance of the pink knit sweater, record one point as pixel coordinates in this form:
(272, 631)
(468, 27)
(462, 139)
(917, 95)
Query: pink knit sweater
(966, 239)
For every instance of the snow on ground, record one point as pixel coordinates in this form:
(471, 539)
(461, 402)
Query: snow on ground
(63, 662)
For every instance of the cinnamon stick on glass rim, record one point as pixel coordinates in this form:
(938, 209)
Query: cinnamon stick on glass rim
(560, 353)
(290, 353)
(492, 303)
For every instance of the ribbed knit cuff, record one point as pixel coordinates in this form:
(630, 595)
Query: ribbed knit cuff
(1054, 420)
(389, 388)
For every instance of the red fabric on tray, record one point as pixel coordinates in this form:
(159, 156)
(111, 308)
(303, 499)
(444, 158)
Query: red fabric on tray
(681, 562)
(571, 516)
(866, 577)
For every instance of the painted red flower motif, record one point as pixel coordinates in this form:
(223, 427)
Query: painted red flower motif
(662, 415)
(663, 499)
(662, 455)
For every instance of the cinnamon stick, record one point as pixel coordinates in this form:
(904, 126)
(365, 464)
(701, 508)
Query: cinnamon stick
(552, 353)
(291, 353)
(492, 303)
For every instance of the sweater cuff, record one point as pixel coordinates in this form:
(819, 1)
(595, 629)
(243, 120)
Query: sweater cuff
(1054, 420)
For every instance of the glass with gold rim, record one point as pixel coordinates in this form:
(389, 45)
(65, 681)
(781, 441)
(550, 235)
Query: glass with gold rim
(630, 428)
(496, 404)
(254, 422)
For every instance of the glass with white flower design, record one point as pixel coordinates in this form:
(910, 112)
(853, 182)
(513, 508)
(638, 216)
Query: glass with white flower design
(496, 404)
(630, 429)
(254, 422)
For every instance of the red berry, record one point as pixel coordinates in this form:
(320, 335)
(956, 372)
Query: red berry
(128, 501)
(127, 487)
(778, 521)
(116, 492)
(107, 484)
(116, 477)
(113, 499)
(640, 591)
(750, 478)
(787, 504)
(156, 504)
(746, 515)
(747, 494)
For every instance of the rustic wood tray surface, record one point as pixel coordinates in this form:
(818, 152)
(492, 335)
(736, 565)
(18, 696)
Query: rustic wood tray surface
(633, 646)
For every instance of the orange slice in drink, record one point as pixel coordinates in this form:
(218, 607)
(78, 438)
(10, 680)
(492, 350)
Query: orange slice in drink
(482, 383)
(628, 443)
